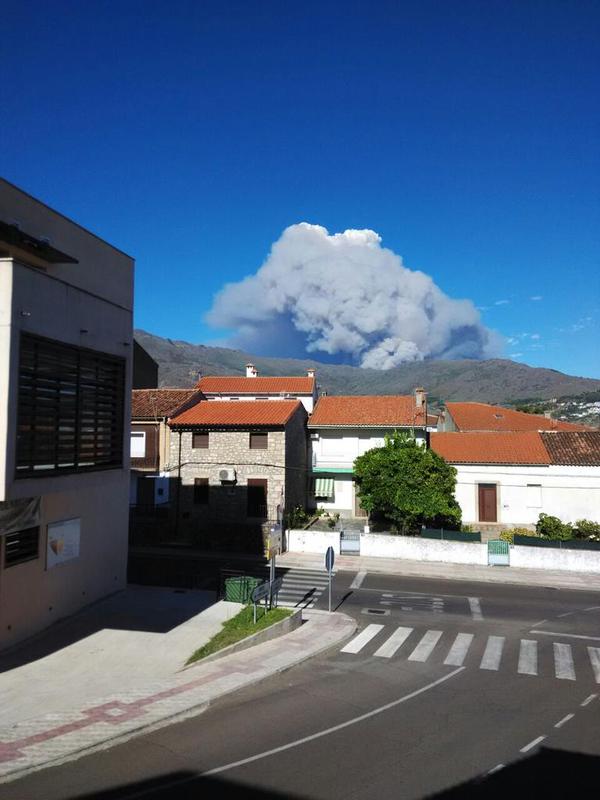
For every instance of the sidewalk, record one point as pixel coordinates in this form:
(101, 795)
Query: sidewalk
(61, 736)
(556, 579)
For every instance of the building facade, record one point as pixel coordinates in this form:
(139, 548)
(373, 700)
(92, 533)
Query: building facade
(238, 464)
(510, 478)
(342, 428)
(66, 303)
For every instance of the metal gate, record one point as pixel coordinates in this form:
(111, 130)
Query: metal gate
(349, 543)
(498, 553)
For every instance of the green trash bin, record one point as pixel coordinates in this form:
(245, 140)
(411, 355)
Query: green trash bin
(239, 590)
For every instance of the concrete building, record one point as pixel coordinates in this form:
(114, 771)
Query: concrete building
(255, 387)
(145, 368)
(509, 478)
(238, 464)
(342, 428)
(150, 440)
(66, 301)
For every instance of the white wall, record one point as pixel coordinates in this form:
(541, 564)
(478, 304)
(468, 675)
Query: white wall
(569, 493)
(378, 545)
(555, 558)
(343, 496)
(340, 448)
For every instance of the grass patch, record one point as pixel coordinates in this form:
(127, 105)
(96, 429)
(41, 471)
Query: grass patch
(238, 627)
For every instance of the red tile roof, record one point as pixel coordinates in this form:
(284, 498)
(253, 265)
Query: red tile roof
(232, 384)
(484, 417)
(576, 448)
(373, 411)
(238, 413)
(506, 447)
(159, 403)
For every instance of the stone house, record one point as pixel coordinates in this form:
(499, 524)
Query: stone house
(237, 464)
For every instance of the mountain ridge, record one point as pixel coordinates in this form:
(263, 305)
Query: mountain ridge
(490, 381)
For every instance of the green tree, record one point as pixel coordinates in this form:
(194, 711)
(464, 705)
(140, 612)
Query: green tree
(407, 484)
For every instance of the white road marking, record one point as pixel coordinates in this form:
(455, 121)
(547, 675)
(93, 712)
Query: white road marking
(563, 662)
(592, 608)
(363, 638)
(561, 722)
(497, 768)
(532, 744)
(387, 595)
(566, 614)
(458, 651)
(528, 657)
(425, 647)
(493, 652)
(405, 608)
(335, 728)
(475, 606)
(358, 580)
(389, 647)
(567, 635)
(588, 700)
(594, 653)
(537, 624)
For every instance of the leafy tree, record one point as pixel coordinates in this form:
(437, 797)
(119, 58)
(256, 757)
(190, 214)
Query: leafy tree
(407, 484)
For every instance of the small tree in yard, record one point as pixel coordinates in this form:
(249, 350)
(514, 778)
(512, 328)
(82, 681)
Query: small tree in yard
(407, 484)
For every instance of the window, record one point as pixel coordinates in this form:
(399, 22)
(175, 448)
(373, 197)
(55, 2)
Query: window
(201, 490)
(259, 441)
(534, 495)
(257, 498)
(70, 408)
(138, 444)
(21, 546)
(200, 441)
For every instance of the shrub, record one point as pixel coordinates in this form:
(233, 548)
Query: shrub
(333, 519)
(508, 536)
(552, 528)
(297, 517)
(466, 528)
(586, 529)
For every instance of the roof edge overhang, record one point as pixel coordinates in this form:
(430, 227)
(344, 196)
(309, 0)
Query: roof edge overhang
(372, 426)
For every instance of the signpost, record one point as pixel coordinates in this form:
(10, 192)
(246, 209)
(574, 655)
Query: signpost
(261, 592)
(329, 562)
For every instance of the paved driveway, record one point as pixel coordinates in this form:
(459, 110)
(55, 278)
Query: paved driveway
(135, 637)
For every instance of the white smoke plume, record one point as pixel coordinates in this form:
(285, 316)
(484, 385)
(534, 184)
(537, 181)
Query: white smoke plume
(346, 295)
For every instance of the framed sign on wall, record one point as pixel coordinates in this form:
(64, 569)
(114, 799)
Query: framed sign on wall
(63, 541)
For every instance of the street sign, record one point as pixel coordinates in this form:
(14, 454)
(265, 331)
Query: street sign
(261, 591)
(329, 559)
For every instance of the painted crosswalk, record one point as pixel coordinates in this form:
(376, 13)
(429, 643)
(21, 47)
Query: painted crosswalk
(302, 588)
(487, 652)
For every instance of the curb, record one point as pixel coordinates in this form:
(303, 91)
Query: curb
(178, 716)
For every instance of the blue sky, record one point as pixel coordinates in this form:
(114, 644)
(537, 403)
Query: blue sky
(192, 134)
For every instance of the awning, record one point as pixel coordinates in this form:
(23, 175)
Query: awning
(18, 515)
(323, 487)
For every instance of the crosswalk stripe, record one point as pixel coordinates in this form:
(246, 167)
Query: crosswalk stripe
(389, 647)
(363, 638)
(458, 651)
(425, 647)
(528, 657)
(493, 652)
(563, 662)
(594, 653)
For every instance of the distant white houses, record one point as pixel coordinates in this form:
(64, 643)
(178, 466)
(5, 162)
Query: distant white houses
(344, 427)
(508, 478)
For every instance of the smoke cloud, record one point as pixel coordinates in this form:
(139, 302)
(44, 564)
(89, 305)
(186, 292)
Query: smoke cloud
(347, 296)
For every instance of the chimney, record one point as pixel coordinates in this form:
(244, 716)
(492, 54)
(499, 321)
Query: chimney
(548, 415)
(251, 371)
(311, 372)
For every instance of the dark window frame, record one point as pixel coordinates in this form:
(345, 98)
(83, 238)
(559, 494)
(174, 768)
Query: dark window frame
(203, 436)
(26, 538)
(71, 405)
(257, 507)
(260, 436)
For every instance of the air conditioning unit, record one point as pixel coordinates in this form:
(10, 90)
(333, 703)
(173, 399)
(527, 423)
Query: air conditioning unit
(227, 475)
(314, 436)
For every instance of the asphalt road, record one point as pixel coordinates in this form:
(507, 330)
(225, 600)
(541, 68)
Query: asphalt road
(447, 696)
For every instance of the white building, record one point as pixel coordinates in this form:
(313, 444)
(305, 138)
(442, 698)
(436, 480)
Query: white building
(66, 306)
(255, 387)
(344, 427)
(509, 478)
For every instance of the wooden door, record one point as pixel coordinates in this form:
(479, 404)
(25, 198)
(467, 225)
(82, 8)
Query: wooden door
(487, 502)
(358, 509)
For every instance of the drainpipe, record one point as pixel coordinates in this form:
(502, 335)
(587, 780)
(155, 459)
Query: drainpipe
(178, 489)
